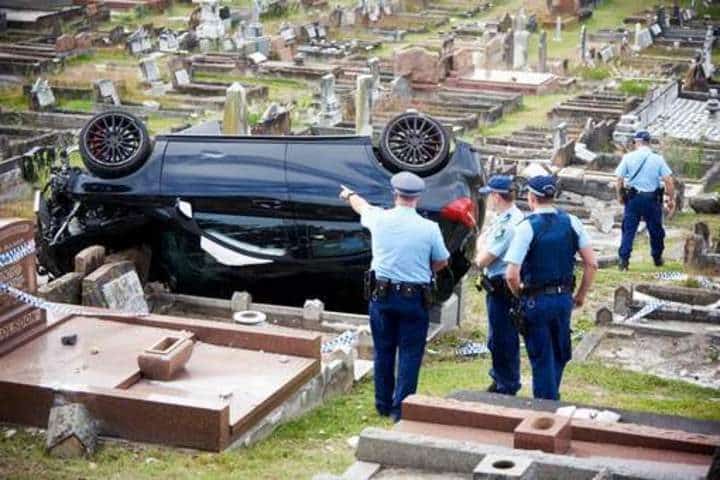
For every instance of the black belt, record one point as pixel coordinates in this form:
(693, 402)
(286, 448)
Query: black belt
(407, 287)
(646, 194)
(547, 290)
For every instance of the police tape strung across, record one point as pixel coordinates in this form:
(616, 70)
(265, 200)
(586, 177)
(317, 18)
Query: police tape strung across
(24, 250)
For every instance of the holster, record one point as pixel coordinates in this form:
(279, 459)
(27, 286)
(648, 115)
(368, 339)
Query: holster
(660, 192)
(517, 317)
(627, 194)
(368, 284)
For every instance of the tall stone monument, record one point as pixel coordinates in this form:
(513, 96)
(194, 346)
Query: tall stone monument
(583, 45)
(508, 49)
(558, 29)
(542, 52)
(235, 118)
(363, 105)
(330, 113)
(520, 50)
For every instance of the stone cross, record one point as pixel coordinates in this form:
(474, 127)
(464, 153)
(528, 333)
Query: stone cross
(558, 29)
(583, 44)
(235, 118)
(363, 105)
(542, 52)
(520, 49)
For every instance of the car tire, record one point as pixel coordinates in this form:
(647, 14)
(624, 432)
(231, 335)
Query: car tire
(114, 144)
(415, 142)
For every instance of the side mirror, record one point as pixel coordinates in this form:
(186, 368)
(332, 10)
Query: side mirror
(184, 208)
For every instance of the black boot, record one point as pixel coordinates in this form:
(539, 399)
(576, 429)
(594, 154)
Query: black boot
(659, 262)
(623, 265)
(493, 388)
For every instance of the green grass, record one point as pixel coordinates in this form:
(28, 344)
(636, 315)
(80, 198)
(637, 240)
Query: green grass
(533, 112)
(12, 98)
(76, 105)
(594, 73)
(636, 88)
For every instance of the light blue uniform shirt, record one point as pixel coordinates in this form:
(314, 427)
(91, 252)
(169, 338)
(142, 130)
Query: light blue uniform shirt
(650, 177)
(520, 243)
(498, 239)
(403, 244)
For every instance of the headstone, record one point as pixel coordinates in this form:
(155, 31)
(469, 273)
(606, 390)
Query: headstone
(655, 29)
(607, 53)
(168, 42)
(117, 35)
(542, 52)
(257, 58)
(508, 49)
(235, 118)
(182, 78)
(264, 45)
(520, 20)
(374, 66)
(254, 30)
(149, 69)
(558, 29)
(116, 286)
(64, 43)
(560, 136)
(643, 38)
(400, 88)
(42, 95)
(240, 301)
(83, 41)
(211, 26)
(139, 42)
(363, 105)
(583, 45)
(330, 113)
(64, 289)
(89, 259)
(287, 33)
(520, 50)
(105, 92)
(17, 271)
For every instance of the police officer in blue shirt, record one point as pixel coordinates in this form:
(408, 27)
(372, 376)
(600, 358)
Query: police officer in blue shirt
(541, 263)
(503, 341)
(640, 176)
(407, 249)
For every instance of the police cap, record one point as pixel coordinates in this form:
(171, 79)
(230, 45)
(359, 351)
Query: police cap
(407, 184)
(497, 184)
(542, 186)
(643, 135)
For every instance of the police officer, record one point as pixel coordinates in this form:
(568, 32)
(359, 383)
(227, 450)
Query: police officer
(541, 261)
(503, 341)
(407, 249)
(640, 176)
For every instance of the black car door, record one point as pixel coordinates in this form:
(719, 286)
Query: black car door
(316, 168)
(238, 197)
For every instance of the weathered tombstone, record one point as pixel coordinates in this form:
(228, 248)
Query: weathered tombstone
(542, 52)
(105, 92)
(42, 95)
(83, 41)
(181, 77)
(72, 432)
(264, 45)
(168, 42)
(89, 259)
(117, 35)
(363, 105)
(235, 118)
(17, 270)
(558, 29)
(520, 50)
(520, 20)
(64, 43)
(603, 316)
(211, 26)
(508, 47)
(240, 301)
(400, 88)
(560, 136)
(149, 69)
(374, 66)
(116, 286)
(622, 301)
(64, 289)
(583, 45)
(607, 53)
(139, 42)
(330, 113)
(257, 58)
(274, 121)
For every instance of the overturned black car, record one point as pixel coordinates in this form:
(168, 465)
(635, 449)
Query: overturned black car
(262, 214)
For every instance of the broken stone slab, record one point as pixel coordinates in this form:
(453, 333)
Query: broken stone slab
(625, 305)
(693, 296)
(697, 255)
(313, 312)
(71, 432)
(706, 203)
(116, 286)
(240, 301)
(141, 258)
(89, 259)
(65, 289)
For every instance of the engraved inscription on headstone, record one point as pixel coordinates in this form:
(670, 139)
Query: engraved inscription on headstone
(15, 233)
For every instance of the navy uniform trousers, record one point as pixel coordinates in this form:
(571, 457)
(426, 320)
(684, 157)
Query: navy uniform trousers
(399, 326)
(547, 318)
(642, 206)
(504, 344)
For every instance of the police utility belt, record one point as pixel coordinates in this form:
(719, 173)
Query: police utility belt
(630, 193)
(380, 288)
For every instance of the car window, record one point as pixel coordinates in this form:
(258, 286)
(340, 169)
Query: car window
(337, 239)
